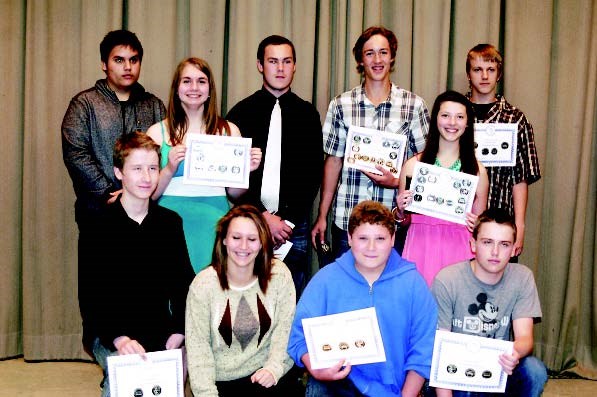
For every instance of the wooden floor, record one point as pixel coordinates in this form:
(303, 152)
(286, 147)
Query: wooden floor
(80, 379)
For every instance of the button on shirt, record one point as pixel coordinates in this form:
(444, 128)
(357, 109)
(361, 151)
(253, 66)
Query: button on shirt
(401, 113)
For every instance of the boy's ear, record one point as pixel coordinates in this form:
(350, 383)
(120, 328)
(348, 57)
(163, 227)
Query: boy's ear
(473, 243)
(118, 173)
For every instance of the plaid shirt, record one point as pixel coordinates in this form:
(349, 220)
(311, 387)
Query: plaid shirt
(502, 179)
(402, 113)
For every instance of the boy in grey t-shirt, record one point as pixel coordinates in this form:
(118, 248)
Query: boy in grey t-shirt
(490, 297)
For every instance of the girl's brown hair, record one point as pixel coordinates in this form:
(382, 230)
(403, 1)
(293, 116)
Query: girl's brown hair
(263, 261)
(177, 117)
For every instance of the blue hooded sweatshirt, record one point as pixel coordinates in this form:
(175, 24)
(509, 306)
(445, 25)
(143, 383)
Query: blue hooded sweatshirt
(406, 312)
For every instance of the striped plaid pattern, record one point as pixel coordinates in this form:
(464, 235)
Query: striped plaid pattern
(402, 113)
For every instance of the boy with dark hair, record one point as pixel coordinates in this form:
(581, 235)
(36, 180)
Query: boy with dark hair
(490, 297)
(136, 281)
(508, 186)
(371, 274)
(116, 106)
(287, 129)
(274, 40)
(123, 38)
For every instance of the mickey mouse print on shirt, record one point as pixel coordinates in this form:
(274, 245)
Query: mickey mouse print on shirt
(485, 318)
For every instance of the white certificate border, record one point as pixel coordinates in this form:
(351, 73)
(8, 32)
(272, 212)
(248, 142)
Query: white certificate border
(446, 337)
(513, 146)
(378, 134)
(234, 141)
(116, 362)
(420, 209)
(367, 313)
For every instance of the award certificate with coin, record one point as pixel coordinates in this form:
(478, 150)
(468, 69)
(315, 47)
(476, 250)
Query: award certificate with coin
(366, 148)
(353, 336)
(442, 193)
(469, 363)
(496, 144)
(215, 160)
(159, 374)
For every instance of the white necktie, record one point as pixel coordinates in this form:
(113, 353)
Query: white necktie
(270, 184)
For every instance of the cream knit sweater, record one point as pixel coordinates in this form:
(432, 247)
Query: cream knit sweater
(231, 334)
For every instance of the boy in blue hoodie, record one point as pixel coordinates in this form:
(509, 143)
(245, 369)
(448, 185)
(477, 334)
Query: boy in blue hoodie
(371, 274)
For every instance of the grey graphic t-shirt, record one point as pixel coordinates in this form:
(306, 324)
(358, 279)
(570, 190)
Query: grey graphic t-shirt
(468, 306)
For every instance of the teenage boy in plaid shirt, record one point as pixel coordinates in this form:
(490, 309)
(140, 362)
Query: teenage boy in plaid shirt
(508, 186)
(378, 104)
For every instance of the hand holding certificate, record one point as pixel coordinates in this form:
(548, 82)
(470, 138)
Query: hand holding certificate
(352, 336)
(367, 147)
(216, 160)
(159, 374)
(466, 362)
(442, 193)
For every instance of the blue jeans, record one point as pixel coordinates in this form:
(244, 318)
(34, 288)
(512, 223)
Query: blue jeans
(101, 354)
(338, 388)
(339, 242)
(297, 259)
(527, 380)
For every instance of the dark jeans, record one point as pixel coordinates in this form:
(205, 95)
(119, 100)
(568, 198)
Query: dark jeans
(338, 388)
(339, 242)
(297, 259)
(101, 354)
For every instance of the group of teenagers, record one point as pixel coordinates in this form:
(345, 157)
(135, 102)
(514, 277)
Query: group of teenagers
(168, 265)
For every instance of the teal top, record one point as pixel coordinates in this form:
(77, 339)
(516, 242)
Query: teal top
(200, 208)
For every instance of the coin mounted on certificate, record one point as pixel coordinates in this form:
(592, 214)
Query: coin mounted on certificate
(442, 193)
(215, 160)
(468, 363)
(496, 144)
(353, 336)
(367, 149)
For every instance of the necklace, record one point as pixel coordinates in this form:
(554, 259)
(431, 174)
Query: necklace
(454, 167)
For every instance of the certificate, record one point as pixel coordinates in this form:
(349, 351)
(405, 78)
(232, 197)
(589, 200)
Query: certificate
(353, 336)
(442, 193)
(467, 362)
(366, 148)
(216, 160)
(496, 144)
(160, 374)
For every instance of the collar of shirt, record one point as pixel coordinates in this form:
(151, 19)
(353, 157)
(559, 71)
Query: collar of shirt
(271, 98)
(364, 101)
(122, 212)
